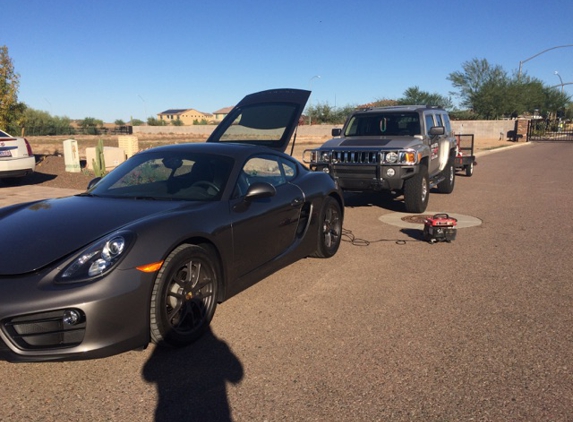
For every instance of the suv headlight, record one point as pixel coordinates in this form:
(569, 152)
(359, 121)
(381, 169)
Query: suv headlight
(391, 157)
(399, 157)
(97, 259)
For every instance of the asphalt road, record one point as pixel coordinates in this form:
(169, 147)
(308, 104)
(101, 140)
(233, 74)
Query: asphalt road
(477, 329)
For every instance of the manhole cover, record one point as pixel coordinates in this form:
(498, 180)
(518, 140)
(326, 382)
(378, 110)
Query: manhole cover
(415, 219)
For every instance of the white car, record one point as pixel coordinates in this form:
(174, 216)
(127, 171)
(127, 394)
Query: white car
(16, 157)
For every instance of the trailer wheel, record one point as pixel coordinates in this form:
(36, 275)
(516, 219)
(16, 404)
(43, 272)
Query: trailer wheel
(469, 169)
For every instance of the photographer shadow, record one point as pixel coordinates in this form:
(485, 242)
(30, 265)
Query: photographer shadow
(191, 381)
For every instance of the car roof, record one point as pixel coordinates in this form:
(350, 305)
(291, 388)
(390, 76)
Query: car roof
(401, 108)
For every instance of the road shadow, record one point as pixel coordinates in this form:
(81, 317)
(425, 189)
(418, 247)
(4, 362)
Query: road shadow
(382, 199)
(415, 234)
(191, 381)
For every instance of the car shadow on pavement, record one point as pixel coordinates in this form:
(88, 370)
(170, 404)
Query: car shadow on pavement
(382, 199)
(191, 381)
(35, 178)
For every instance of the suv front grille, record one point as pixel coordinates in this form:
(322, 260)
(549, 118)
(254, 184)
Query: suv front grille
(355, 157)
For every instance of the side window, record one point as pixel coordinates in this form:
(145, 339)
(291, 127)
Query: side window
(264, 168)
(289, 170)
(438, 120)
(446, 121)
(429, 123)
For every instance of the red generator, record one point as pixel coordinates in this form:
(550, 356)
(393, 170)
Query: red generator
(440, 228)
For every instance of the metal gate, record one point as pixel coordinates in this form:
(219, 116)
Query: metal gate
(542, 130)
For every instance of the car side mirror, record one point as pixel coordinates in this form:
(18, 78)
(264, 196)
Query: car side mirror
(437, 131)
(260, 190)
(336, 131)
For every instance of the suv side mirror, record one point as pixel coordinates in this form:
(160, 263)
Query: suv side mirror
(437, 131)
(336, 131)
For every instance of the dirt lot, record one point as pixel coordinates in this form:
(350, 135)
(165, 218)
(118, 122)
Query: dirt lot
(50, 168)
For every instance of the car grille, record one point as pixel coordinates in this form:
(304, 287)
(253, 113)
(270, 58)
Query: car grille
(44, 330)
(355, 157)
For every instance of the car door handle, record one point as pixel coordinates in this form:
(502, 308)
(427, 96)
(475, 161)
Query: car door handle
(296, 202)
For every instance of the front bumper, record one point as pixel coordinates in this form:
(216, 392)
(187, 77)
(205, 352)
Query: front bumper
(362, 177)
(113, 316)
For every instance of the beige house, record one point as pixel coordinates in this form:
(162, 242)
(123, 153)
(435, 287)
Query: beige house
(221, 113)
(187, 115)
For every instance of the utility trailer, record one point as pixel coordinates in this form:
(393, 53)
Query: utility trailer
(465, 158)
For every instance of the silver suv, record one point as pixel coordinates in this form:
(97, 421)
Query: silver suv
(407, 149)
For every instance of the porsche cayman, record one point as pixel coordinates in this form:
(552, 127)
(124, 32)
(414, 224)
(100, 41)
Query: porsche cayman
(147, 252)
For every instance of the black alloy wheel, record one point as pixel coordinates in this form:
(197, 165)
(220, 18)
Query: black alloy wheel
(329, 229)
(184, 296)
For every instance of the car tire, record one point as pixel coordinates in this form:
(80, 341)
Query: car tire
(417, 191)
(447, 185)
(329, 229)
(470, 170)
(184, 296)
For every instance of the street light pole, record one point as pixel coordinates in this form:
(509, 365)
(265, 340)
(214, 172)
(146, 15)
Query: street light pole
(310, 101)
(561, 80)
(538, 54)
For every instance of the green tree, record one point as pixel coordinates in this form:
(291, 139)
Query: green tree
(41, 123)
(91, 125)
(476, 73)
(152, 121)
(10, 109)
(136, 122)
(324, 113)
(414, 95)
(177, 122)
(490, 93)
(119, 122)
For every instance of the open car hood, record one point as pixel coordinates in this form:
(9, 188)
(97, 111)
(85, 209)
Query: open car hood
(266, 118)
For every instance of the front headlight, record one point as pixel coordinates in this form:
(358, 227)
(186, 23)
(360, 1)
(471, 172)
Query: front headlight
(399, 157)
(391, 157)
(97, 259)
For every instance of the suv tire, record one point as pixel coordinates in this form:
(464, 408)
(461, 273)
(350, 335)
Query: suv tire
(447, 185)
(417, 191)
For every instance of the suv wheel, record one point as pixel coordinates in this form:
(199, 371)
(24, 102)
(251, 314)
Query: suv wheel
(417, 191)
(447, 185)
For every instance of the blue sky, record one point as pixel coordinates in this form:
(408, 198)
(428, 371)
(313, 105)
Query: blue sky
(117, 59)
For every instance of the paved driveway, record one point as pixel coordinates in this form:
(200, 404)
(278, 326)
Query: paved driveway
(481, 328)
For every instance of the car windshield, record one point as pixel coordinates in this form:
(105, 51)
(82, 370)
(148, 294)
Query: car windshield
(167, 176)
(383, 124)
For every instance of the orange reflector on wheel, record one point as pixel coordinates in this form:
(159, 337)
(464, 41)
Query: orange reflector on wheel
(150, 268)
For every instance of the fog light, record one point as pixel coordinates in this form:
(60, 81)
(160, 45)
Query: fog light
(390, 172)
(326, 170)
(71, 317)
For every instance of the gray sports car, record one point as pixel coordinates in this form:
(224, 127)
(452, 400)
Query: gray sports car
(149, 250)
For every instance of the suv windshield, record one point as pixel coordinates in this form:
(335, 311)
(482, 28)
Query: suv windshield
(383, 124)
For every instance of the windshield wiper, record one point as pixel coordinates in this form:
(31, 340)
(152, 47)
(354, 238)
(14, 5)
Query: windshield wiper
(145, 198)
